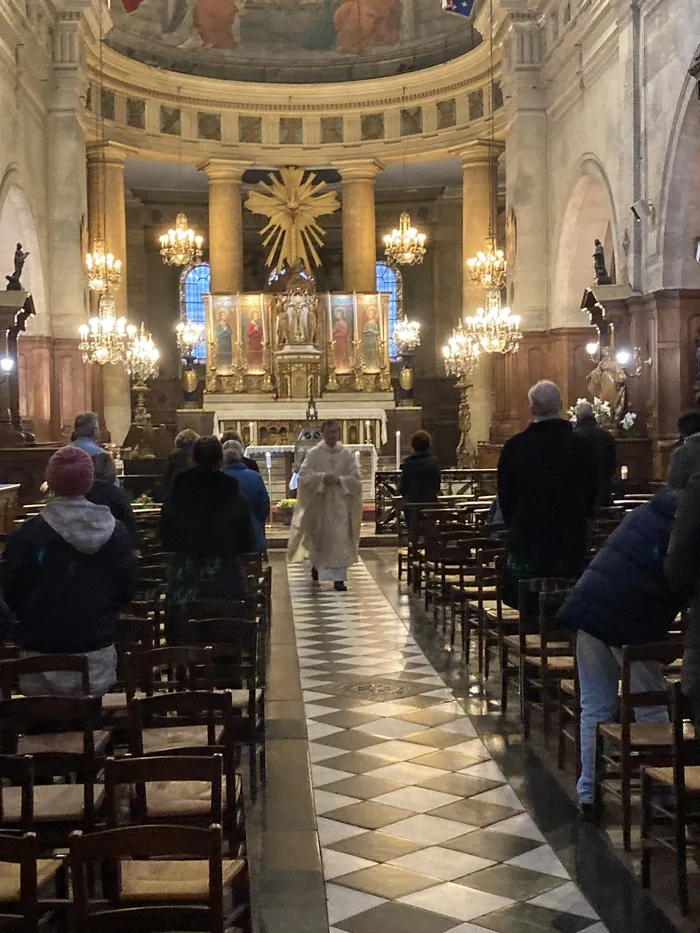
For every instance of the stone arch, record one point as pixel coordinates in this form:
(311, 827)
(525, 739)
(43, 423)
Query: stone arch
(680, 194)
(589, 215)
(17, 225)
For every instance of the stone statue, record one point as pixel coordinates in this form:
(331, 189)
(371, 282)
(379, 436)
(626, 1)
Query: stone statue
(608, 382)
(282, 325)
(312, 325)
(601, 273)
(13, 283)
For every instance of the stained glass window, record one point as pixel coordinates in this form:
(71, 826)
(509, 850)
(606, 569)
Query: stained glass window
(388, 280)
(195, 284)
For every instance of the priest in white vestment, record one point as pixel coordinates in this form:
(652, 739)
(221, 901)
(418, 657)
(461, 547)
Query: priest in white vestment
(328, 513)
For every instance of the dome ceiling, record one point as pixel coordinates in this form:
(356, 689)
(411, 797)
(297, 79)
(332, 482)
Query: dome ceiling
(289, 41)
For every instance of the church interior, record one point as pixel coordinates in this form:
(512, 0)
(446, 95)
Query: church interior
(256, 215)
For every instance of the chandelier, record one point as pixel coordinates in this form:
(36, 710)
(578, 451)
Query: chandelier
(406, 336)
(405, 246)
(104, 271)
(461, 352)
(181, 246)
(494, 330)
(488, 268)
(189, 336)
(142, 356)
(105, 338)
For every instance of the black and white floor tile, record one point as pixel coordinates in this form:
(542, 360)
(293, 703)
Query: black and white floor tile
(419, 828)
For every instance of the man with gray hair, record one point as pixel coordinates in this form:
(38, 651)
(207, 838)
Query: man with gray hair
(547, 483)
(602, 444)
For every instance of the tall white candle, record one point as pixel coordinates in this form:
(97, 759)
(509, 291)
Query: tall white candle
(251, 426)
(398, 450)
(368, 434)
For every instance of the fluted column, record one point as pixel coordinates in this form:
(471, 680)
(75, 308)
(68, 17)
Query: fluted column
(107, 219)
(225, 223)
(478, 194)
(359, 225)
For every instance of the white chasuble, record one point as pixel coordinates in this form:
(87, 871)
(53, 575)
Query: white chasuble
(327, 518)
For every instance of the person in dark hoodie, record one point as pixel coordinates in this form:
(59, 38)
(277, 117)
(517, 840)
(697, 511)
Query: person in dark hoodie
(208, 525)
(547, 485)
(623, 598)
(105, 492)
(66, 574)
(420, 472)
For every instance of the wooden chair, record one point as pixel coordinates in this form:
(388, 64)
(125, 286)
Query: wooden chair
(545, 657)
(24, 880)
(162, 670)
(158, 878)
(12, 670)
(485, 597)
(76, 757)
(634, 744)
(238, 671)
(569, 720)
(665, 822)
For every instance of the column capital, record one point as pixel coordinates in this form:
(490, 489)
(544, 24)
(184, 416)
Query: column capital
(359, 169)
(224, 169)
(109, 152)
(479, 152)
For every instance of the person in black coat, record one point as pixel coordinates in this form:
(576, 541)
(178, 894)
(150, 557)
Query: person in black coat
(180, 458)
(623, 598)
(420, 472)
(603, 445)
(547, 484)
(208, 525)
(105, 492)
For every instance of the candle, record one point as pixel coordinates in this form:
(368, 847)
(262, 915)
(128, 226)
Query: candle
(238, 317)
(262, 318)
(251, 425)
(268, 460)
(623, 472)
(368, 433)
(398, 450)
(355, 329)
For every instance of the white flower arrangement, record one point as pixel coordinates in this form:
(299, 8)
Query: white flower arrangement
(627, 422)
(601, 410)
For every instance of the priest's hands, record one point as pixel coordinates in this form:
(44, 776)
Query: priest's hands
(330, 479)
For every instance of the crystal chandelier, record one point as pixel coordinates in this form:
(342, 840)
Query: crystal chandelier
(406, 336)
(494, 330)
(105, 338)
(461, 352)
(142, 356)
(104, 271)
(181, 246)
(405, 246)
(189, 336)
(488, 268)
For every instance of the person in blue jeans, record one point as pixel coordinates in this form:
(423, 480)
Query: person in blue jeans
(252, 487)
(621, 599)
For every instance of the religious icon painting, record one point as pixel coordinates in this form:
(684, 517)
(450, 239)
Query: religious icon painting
(340, 326)
(252, 324)
(222, 333)
(370, 328)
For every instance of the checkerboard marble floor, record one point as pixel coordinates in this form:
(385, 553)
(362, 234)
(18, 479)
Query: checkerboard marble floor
(419, 829)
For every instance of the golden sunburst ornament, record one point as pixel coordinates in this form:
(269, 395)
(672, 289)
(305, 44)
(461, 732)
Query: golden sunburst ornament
(293, 202)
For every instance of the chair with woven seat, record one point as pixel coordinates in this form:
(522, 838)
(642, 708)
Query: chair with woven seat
(158, 878)
(189, 789)
(665, 821)
(488, 576)
(24, 880)
(634, 744)
(11, 672)
(569, 720)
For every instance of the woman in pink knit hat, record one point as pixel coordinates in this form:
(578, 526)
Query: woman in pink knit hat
(66, 574)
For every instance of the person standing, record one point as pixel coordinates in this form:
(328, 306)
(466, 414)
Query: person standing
(547, 485)
(66, 574)
(420, 472)
(208, 526)
(86, 431)
(685, 459)
(252, 486)
(328, 515)
(179, 458)
(235, 436)
(603, 446)
(105, 492)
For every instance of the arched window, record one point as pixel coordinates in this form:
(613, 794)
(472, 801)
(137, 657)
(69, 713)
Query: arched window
(195, 283)
(389, 280)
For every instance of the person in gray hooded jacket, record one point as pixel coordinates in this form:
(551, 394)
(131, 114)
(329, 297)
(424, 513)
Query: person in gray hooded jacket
(66, 574)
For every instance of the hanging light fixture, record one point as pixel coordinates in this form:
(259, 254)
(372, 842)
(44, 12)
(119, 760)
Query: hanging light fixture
(405, 246)
(104, 271)
(488, 267)
(406, 336)
(494, 330)
(189, 336)
(105, 338)
(181, 246)
(141, 359)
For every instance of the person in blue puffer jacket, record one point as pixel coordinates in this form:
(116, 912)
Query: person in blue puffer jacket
(252, 487)
(621, 599)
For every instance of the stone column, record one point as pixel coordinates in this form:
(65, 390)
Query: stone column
(478, 194)
(107, 219)
(359, 225)
(225, 223)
